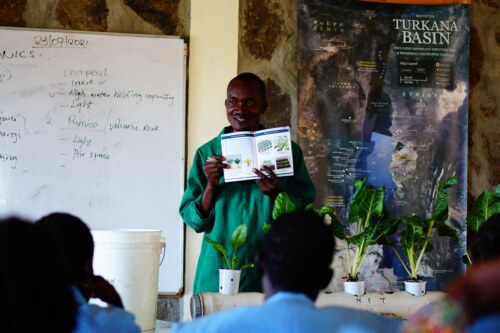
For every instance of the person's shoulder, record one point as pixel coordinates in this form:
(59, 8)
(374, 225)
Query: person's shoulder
(97, 319)
(444, 313)
(296, 147)
(486, 324)
(224, 321)
(215, 141)
(209, 144)
(372, 321)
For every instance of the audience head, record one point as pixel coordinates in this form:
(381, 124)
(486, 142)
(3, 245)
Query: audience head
(486, 243)
(297, 254)
(73, 237)
(33, 296)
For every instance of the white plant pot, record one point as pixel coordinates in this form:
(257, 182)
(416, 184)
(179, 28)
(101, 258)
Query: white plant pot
(229, 281)
(356, 288)
(416, 288)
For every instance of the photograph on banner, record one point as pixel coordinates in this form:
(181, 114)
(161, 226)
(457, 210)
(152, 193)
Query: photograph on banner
(383, 94)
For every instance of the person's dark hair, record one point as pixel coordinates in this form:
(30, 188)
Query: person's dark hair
(33, 295)
(486, 243)
(251, 77)
(73, 237)
(298, 251)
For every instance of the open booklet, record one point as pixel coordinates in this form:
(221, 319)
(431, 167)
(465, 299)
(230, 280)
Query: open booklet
(246, 150)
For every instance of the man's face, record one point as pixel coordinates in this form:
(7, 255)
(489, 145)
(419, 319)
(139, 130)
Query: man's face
(244, 105)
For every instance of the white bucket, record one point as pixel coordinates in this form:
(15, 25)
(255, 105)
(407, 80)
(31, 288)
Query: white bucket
(129, 259)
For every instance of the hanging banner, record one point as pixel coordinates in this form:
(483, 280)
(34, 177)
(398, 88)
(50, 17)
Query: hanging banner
(383, 94)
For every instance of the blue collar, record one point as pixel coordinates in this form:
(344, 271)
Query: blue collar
(287, 296)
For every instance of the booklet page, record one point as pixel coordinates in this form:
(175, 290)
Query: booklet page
(247, 150)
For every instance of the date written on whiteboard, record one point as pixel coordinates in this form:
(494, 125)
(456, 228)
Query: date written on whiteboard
(42, 41)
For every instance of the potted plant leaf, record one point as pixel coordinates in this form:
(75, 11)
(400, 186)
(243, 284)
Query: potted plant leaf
(229, 278)
(416, 237)
(284, 204)
(484, 207)
(371, 225)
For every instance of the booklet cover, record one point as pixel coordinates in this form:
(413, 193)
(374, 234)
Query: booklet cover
(247, 150)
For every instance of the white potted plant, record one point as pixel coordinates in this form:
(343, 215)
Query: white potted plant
(416, 237)
(229, 278)
(372, 225)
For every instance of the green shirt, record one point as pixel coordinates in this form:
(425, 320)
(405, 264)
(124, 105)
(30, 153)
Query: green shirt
(235, 203)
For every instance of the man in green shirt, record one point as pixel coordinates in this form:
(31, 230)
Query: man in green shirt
(216, 208)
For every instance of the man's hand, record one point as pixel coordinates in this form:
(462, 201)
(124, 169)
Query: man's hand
(269, 185)
(98, 287)
(214, 169)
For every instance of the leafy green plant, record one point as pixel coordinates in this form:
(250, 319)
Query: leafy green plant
(284, 204)
(416, 237)
(238, 238)
(484, 207)
(366, 210)
(373, 226)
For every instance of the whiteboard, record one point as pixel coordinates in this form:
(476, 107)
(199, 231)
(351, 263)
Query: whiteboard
(94, 124)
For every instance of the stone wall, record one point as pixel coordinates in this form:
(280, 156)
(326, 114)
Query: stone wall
(484, 99)
(158, 17)
(267, 42)
(268, 39)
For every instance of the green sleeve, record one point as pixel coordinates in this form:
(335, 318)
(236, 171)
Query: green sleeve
(190, 208)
